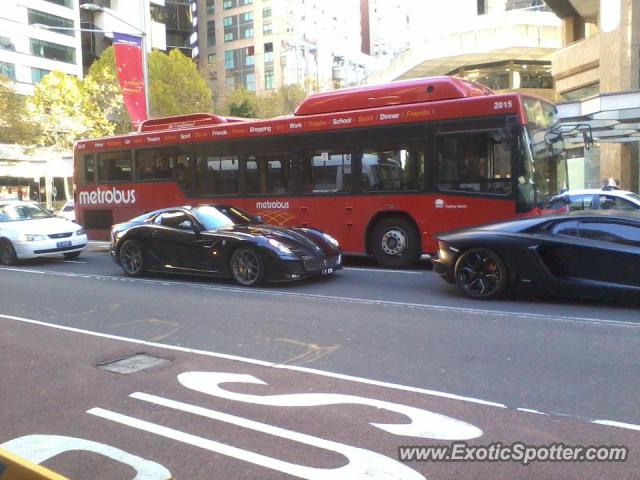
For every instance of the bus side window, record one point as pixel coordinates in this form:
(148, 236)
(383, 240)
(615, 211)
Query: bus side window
(217, 175)
(268, 173)
(115, 166)
(474, 163)
(326, 171)
(392, 168)
(89, 168)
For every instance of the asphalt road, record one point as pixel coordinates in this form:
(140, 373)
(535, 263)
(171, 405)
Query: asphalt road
(400, 337)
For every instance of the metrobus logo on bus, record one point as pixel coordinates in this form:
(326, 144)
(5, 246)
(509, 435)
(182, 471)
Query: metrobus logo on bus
(113, 196)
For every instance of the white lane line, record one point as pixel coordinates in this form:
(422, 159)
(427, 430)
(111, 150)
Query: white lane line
(611, 423)
(253, 361)
(384, 270)
(356, 300)
(529, 410)
(323, 373)
(72, 261)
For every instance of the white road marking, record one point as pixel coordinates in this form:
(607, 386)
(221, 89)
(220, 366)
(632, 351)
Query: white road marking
(360, 301)
(423, 424)
(384, 270)
(611, 423)
(362, 465)
(72, 261)
(339, 376)
(40, 448)
(529, 410)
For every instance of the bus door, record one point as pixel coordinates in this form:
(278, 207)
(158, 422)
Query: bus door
(326, 201)
(473, 180)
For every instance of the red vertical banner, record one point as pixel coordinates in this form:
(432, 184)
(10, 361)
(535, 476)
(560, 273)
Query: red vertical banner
(128, 51)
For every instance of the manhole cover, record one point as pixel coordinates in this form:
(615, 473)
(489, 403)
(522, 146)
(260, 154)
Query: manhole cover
(132, 363)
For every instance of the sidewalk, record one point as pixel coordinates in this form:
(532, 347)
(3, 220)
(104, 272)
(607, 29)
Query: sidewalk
(98, 246)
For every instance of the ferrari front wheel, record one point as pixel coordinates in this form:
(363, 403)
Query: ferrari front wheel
(481, 274)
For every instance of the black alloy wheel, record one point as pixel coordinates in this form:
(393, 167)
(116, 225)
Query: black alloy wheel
(132, 258)
(247, 267)
(395, 242)
(480, 273)
(7, 253)
(71, 255)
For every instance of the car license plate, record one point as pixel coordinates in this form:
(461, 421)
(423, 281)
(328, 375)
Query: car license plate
(65, 244)
(327, 271)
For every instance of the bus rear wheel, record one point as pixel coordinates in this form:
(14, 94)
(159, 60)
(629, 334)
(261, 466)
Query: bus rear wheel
(395, 242)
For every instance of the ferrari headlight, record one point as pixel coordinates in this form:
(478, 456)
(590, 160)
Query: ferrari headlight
(281, 247)
(27, 237)
(330, 239)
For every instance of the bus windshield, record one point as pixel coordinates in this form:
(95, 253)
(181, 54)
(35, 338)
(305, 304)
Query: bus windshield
(544, 170)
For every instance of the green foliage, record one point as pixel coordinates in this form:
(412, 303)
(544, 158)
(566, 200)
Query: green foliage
(283, 101)
(176, 85)
(14, 124)
(65, 112)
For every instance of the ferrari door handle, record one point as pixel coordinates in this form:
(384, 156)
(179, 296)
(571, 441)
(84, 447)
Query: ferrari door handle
(154, 233)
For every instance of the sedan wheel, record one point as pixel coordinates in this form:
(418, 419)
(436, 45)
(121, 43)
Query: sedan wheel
(247, 267)
(481, 274)
(132, 258)
(7, 253)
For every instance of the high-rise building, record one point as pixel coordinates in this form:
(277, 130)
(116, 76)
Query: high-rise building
(503, 44)
(263, 44)
(597, 75)
(28, 51)
(388, 23)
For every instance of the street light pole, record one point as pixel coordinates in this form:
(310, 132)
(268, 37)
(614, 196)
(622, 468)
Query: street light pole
(92, 7)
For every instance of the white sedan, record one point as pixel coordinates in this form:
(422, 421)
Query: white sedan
(29, 231)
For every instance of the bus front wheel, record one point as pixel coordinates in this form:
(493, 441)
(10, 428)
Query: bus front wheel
(395, 242)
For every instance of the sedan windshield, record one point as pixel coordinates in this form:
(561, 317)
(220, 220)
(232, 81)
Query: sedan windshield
(22, 211)
(213, 218)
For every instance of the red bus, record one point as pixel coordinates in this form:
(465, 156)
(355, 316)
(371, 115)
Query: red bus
(382, 168)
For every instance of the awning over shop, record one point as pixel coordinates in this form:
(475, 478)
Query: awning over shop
(613, 117)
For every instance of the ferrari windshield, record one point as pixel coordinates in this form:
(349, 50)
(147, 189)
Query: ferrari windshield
(543, 171)
(216, 217)
(15, 212)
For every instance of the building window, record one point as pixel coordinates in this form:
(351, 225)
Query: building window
(66, 3)
(227, 21)
(53, 51)
(268, 79)
(247, 17)
(211, 33)
(250, 56)
(227, 4)
(246, 2)
(266, 12)
(251, 82)
(229, 62)
(211, 7)
(42, 18)
(211, 58)
(229, 36)
(247, 32)
(8, 70)
(482, 7)
(268, 53)
(37, 74)
(267, 28)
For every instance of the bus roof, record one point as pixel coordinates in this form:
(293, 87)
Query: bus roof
(187, 121)
(405, 92)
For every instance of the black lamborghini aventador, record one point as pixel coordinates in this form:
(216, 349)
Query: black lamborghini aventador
(596, 254)
(222, 241)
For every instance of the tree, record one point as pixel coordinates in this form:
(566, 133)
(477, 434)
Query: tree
(103, 87)
(64, 112)
(283, 101)
(176, 86)
(14, 124)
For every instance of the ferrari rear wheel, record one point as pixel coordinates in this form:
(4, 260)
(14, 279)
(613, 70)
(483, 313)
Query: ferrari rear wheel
(247, 267)
(480, 273)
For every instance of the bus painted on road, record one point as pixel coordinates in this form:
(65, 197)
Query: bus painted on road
(384, 168)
